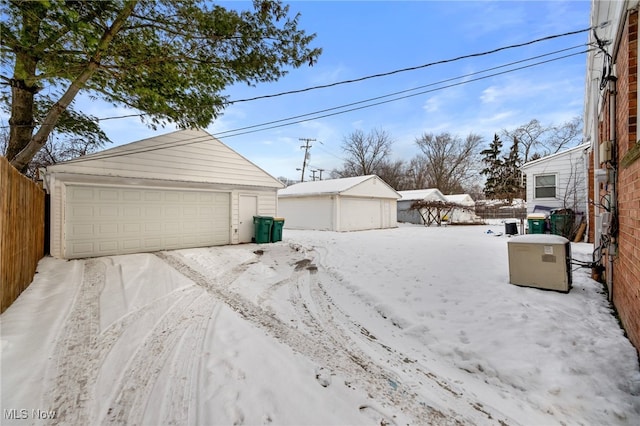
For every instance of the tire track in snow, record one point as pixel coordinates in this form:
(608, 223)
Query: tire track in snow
(328, 352)
(81, 348)
(75, 353)
(184, 322)
(453, 394)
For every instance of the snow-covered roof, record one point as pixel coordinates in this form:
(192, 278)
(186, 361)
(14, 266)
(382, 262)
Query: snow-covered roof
(422, 194)
(460, 199)
(330, 186)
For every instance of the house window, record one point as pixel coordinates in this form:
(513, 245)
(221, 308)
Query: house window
(545, 186)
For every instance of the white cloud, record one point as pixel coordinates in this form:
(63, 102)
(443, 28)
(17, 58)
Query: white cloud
(489, 94)
(329, 75)
(432, 104)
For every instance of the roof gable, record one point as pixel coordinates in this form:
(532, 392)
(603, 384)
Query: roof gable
(370, 185)
(464, 199)
(555, 156)
(430, 194)
(184, 155)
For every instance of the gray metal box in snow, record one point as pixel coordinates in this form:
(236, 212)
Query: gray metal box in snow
(540, 261)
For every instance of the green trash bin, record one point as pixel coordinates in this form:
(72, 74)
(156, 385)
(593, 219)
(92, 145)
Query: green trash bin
(276, 229)
(536, 222)
(562, 222)
(262, 229)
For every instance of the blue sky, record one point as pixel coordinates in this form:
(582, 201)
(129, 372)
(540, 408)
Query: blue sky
(363, 38)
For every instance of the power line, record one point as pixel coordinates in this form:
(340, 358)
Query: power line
(394, 99)
(106, 154)
(444, 61)
(387, 73)
(402, 91)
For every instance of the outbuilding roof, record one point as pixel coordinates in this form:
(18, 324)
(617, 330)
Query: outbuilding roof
(464, 199)
(430, 194)
(334, 186)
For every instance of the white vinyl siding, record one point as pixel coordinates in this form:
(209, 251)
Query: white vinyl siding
(186, 155)
(104, 220)
(558, 180)
(171, 191)
(545, 186)
(348, 204)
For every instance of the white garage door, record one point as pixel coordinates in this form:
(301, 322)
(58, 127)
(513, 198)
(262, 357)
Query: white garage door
(358, 214)
(113, 220)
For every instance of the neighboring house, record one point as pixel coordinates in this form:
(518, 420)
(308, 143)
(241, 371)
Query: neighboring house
(409, 215)
(178, 190)
(466, 212)
(347, 204)
(611, 125)
(558, 181)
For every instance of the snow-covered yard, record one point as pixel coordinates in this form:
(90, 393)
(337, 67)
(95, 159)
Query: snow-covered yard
(411, 325)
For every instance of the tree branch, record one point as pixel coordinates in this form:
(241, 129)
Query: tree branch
(21, 160)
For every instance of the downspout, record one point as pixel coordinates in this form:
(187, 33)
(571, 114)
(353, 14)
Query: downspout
(611, 180)
(585, 168)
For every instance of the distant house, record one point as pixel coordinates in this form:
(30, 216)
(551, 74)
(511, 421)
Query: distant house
(407, 214)
(611, 123)
(347, 204)
(465, 213)
(558, 181)
(177, 190)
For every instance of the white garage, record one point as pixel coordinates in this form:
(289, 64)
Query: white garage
(347, 204)
(184, 189)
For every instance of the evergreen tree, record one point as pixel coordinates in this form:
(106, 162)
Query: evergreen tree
(511, 183)
(494, 167)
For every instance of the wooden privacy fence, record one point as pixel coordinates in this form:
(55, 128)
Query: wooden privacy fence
(498, 212)
(22, 204)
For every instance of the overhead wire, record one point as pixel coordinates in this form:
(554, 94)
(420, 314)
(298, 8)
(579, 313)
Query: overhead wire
(405, 91)
(340, 109)
(313, 115)
(388, 73)
(238, 133)
(413, 68)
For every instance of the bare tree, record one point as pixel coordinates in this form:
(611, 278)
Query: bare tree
(416, 174)
(565, 135)
(449, 162)
(365, 153)
(573, 197)
(59, 147)
(537, 140)
(393, 173)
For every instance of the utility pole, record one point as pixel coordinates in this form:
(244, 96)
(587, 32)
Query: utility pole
(306, 147)
(313, 175)
(320, 170)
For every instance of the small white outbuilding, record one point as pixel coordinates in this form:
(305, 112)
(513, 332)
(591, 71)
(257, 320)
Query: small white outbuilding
(347, 204)
(408, 197)
(177, 190)
(464, 212)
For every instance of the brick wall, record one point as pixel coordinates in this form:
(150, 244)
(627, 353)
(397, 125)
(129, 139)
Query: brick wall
(626, 273)
(591, 212)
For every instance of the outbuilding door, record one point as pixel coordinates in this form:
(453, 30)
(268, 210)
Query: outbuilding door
(358, 214)
(102, 220)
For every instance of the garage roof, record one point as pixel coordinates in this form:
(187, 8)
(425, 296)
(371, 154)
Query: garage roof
(431, 194)
(369, 185)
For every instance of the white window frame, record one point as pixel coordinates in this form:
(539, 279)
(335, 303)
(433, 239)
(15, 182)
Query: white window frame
(535, 185)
